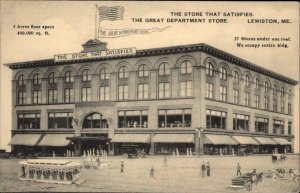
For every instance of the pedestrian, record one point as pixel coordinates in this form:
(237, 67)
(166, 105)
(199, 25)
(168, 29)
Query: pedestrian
(207, 169)
(203, 169)
(238, 169)
(122, 166)
(165, 162)
(152, 172)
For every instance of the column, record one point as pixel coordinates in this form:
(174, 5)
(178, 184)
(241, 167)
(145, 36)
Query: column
(270, 127)
(153, 84)
(28, 91)
(217, 85)
(201, 145)
(77, 88)
(44, 119)
(198, 85)
(230, 90)
(197, 143)
(60, 89)
(44, 90)
(229, 121)
(132, 85)
(286, 99)
(113, 86)
(242, 93)
(95, 87)
(252, 97)
(262, 98)
(252, 122)
(175, 84)
(152, 144)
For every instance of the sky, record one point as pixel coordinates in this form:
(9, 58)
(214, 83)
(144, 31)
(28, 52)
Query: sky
(74, 24)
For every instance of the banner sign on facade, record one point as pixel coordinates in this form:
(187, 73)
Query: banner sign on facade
(90, 55)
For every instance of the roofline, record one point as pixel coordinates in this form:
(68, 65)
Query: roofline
(165, 51)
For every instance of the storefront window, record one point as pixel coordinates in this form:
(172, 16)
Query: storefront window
(261, 124)
(29, 121)
(215, 119)
(240, 122)
(94, 120)
(60, 120)
(133, 119)
(174, 118)
(278, 127)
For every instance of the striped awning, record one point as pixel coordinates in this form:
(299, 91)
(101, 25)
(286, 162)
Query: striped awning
(55, 140)
(25, 139)
(219, 140)
(174, 138)
(266, 141)
(131, 138)
(282, 141)
(244, 140)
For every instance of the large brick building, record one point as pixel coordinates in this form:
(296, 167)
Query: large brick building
(184, 98)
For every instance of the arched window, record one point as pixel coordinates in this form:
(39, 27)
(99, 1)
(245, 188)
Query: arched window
(104, 75)
(123, 72)
(247, 80)
(290, 94)
(282, 91)
(257, 83)
(164, 69)
(223, 74)
(186, 67)
(275, 89)
(86, 76)
(143, 70)
(266, 86)
(21, 80)
(69, 77)
(209, 69)
(236, 77)
(94, 120)
(36, 79)
(52, 79)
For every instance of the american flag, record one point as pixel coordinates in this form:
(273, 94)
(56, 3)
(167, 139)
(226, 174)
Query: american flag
(111, 13)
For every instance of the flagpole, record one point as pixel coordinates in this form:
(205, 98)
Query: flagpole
(96, 21)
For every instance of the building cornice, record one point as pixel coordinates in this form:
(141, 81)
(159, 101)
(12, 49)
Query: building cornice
(165, 51)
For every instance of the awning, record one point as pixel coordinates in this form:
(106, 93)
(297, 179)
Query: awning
(265, 141)
(173, 138)
(219, 140)
(55, 140)
(131, 138)
(282, 141)
(25, 139)
(244, 140)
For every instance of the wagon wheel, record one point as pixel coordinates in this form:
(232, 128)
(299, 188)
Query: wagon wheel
(275, 177)
(125, 155)
(248, 186)
(255, 181)
(140, 155)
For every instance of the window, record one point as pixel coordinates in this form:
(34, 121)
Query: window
(290, 94)
(174, 118)
(209, 90)
(215, 119)
(21, 80)
(289, 108)
(236, 96)
(123, 72)
(282, 106)
(163, 69)
(257, 86)
(29, 121)
(104, 75)
(36, 79)
(282, 92)
(69, 77)
(247, 99)
(164, 90)
(247, 80)
(60, 120)
(275, 105)
(186, 67)
(94, 120)
(186, 89)
(240, 122)
(278, 126)
(209, 69)
(275, 89)
(85, 94)
(143, 70)
(69, 95)
(143, 91)
(21, 97)
(52, 96)
(223, 93)
(123, 92)
(289, 128)
(52, 79)
(266, 103)
(261, 124)
(256, 102)
(236, 77)
(223, 74)
(133, 119)
(266, 86)
(86, 76)
(37, 97)
(104, 93)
